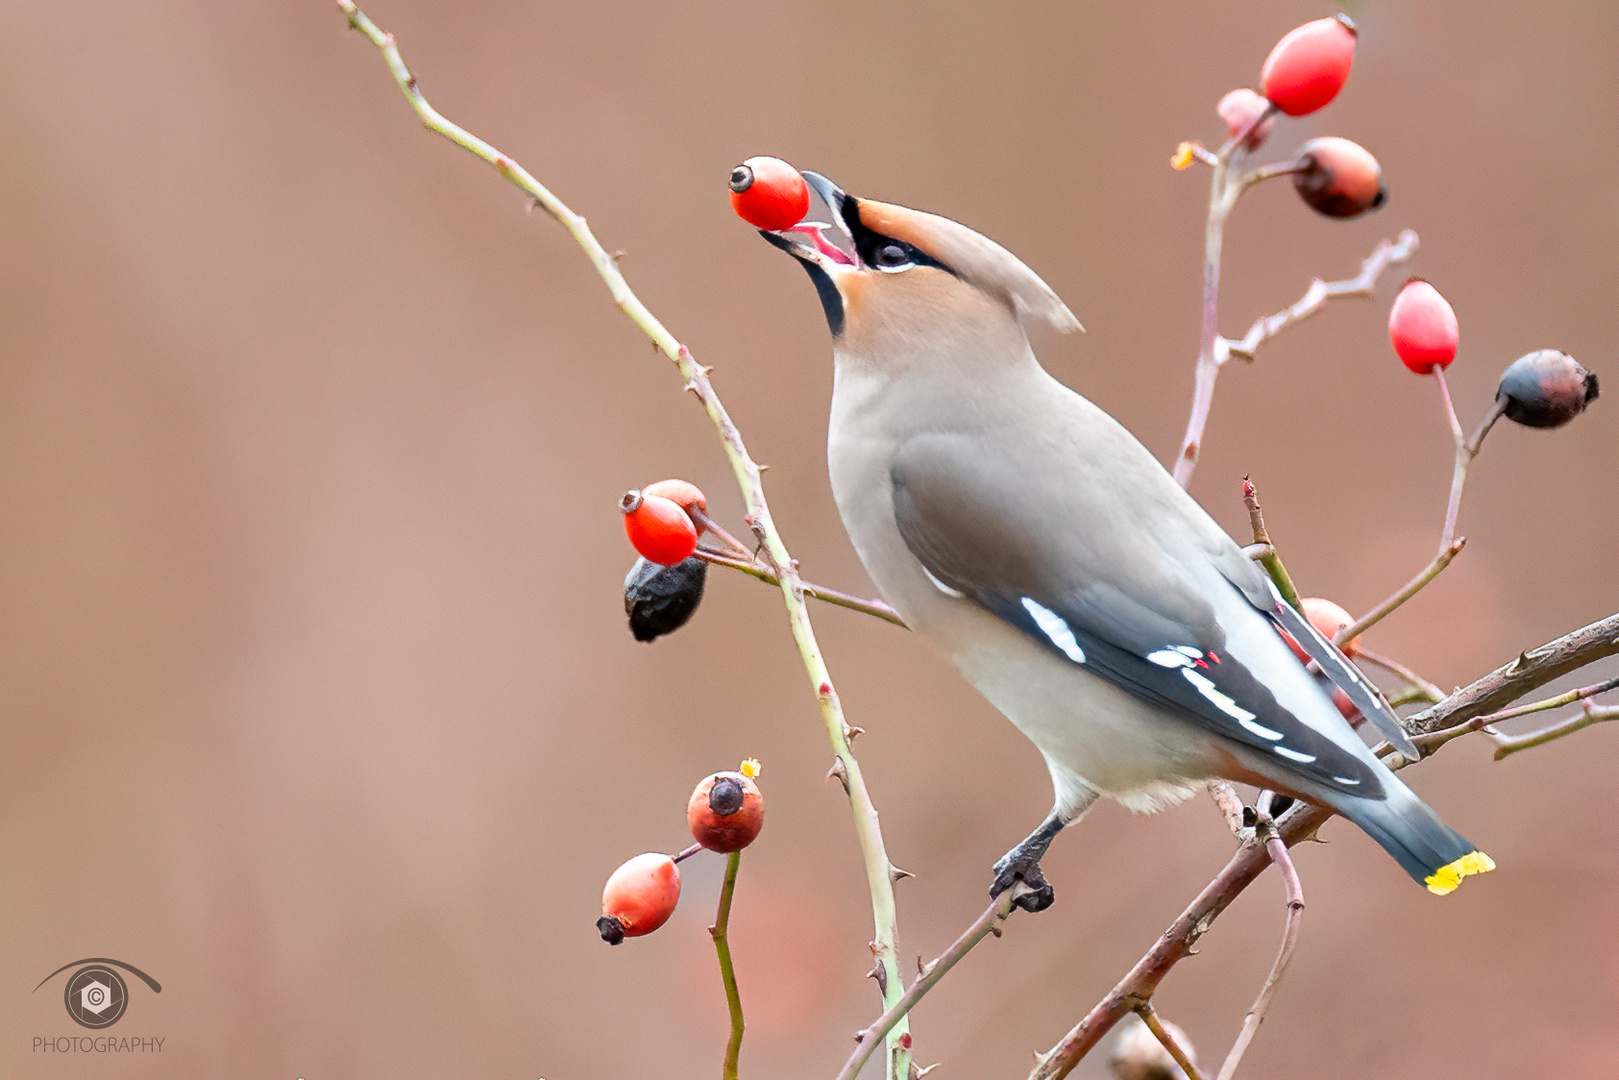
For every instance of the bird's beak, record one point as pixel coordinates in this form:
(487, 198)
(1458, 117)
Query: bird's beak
(809, 240)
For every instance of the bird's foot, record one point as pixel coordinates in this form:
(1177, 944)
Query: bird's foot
(1020, 865)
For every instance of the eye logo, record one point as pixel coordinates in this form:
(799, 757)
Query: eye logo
(96, 995)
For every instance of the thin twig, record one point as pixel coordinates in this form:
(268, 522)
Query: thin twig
(987, 923)
(1223, 193)
(722, 946)
(816, 592)
(1464, 455)
(1406, 592)
(747, 472)
(1215, 350)
(1466, 450)
(1426, 690)
(1492, 692)
(1432, 740)
(1266, 553)
(1590, 714)
(1167, 1040)
(1290, 939)
(1387, 253)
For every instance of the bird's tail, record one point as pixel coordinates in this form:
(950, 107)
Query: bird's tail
(1429, 850)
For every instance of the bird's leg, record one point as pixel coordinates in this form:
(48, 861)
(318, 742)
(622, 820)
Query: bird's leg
(1022, 863)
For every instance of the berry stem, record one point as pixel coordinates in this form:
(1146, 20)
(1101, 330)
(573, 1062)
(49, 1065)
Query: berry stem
(722, 948)
(874, 608)
(1406, 592)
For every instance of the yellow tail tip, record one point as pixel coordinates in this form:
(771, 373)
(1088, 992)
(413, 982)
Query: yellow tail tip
(1446, 878)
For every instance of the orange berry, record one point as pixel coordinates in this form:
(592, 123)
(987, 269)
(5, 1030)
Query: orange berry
(726, 812)
(769, 194)
(1423, 328)
(639, 897)
(1309, 66)
(658, 528)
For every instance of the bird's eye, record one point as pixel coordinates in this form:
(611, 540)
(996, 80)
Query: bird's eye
(892, 255)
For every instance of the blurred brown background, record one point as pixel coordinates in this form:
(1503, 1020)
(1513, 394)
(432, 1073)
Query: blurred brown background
(318, 701)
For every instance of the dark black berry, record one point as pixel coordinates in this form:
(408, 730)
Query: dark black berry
(1545, 389)
(659, 599)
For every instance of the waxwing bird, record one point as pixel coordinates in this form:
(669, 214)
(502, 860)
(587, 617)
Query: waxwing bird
(1054, 560)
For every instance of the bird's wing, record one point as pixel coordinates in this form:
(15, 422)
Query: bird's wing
(1015, 525)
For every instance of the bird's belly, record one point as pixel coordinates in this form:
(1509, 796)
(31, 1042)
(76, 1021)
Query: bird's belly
(1094, 734)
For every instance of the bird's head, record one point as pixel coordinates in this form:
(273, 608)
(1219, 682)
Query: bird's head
(889, 274)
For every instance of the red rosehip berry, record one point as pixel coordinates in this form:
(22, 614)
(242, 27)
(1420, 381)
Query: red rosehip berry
(1309, 66)
(727, 810)
(769, 194)
(683, 492)
(1545, 389)
(639, 897)
(1422, 328)
(1238, 109)
(658, 528)
(1328, 618)
(1338, 178)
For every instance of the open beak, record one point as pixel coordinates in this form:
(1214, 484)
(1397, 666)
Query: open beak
(809, 239)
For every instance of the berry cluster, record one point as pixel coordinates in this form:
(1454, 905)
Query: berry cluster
(725, 814)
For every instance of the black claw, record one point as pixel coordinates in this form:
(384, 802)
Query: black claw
(1022, 863)
(1009, 871)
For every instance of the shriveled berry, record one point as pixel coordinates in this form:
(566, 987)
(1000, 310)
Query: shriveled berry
(1238, 109)
(1422, 328)
(660, 599)
(768, 193)
(658, 528)
(639, 897)
(1545, 389)
(687, 494)
(1338, 178)
(1309, 66)
(726, 812)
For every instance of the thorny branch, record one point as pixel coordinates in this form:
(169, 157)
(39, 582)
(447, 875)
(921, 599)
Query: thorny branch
(878, 868)
(1491, 693)
(988, 923)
